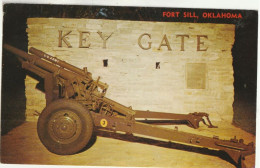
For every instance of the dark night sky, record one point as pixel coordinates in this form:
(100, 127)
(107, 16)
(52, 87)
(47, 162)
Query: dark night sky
(14, 32)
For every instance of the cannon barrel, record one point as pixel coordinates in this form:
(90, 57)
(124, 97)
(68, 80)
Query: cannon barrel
(57, 61)
(17, 51)
(41, 63)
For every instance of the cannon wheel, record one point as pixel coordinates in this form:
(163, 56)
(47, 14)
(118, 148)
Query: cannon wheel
(65, 127)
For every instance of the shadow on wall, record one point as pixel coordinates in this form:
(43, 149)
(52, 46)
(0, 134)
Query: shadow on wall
(13, 103)
(245, 73)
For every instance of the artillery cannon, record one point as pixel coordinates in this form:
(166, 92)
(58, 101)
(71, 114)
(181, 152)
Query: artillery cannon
(76, 105)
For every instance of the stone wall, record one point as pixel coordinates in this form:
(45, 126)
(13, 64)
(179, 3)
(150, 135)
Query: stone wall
(157, 66)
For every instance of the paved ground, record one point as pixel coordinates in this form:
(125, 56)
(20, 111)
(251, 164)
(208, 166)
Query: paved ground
(22, 146)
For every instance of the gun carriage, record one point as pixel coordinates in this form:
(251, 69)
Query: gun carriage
(76, 105)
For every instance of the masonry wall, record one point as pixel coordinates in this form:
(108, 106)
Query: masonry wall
(157, 66)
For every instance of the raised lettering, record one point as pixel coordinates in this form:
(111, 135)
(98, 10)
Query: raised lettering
(167, 44)
(201, 43)
(149, 43)
(63, 38)
(81, 39)
(104, 39)
(182, 40)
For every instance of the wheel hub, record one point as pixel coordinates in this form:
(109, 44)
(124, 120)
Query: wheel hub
(64, 126)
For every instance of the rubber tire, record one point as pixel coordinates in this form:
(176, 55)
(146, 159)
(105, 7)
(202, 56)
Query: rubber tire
(83, 136)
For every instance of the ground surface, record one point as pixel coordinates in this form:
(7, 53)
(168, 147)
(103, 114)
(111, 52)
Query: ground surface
(22, 146)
